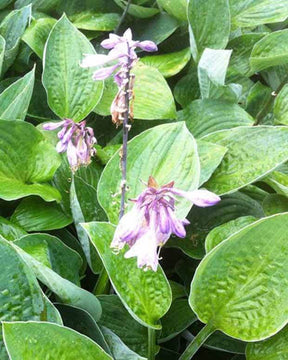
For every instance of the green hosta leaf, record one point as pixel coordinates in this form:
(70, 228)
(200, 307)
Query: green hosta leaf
(116, 318)
(168, 161)
(119, 350)
(146, 295)
(275, 204)
(21, 296)
(209, 25)
(257, 98)
(40, 5)
(156, 29)
(33, 214)
(212, 70)
(89, 20)
(187, 88)
(178, 318)
(242, 47)
(270, 51)
(68, 292)
(14, 100)
(256, 12)
(26, 162)
(258, 151)
(236, 286)
(210, 156)
(10, 231)
(37, 33)
(222, 232)
(177, 9)
(281, 106)
(274, 348)
(12, 28)
(203, 220)
(137, 10)
(51, 252)
(81, 321)
(169, 64)
(70, 89)
(153, 97)
(2, 51)
(203, 117)
(85, 207)
(35, 340)
(278, 181)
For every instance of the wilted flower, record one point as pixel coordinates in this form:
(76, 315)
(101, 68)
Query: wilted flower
(152, 220)
(122, 57)
(76, 139)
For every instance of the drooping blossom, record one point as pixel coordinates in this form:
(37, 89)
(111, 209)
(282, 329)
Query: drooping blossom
(76, 139)
(121, 58)
(152, 220)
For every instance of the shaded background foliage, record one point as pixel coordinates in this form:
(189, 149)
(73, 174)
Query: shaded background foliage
(210, 110)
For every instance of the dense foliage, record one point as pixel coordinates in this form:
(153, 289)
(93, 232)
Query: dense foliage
(210, 111)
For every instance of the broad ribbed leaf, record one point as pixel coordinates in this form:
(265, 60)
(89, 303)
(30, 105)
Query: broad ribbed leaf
(9, 230)
(51, 252)
(252, 153)
(40, 5)
(250, 13)
(177, 9)
(222, 232)
(239, 287)
(33, 214)
(158, 152)
(145, 294)
(14, 100)
(27, 162)
(203, 220)
(203, 117)
(117, 319)
(169, 64)
(275, 348)
(12, 28)
(149, 85)
(35, 340)
(209, 25)
(89, 20)
(37, 33)
(212, 70)
(138, 11)
(68, 292)
(70, 89)
(178, 318)
(270, 51)
(281, 106)
(242, 47)
(275, 204)
(210, 156)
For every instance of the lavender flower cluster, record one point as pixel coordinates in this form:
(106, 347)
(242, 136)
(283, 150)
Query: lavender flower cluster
(152, 220)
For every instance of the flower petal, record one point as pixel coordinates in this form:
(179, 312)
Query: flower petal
(127, 35)
(147, 46)
(202, 197)
(104, 73)
(111, 42)
(95, 60)
(145, 249)
(53, 125)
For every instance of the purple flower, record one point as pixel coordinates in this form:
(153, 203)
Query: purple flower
(76, 139)
(152, 220)
(121, 57)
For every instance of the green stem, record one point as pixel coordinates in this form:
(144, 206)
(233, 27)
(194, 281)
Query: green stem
(125, 12)
(197, 342)
(151, 344)
(102, 285)
(270, 101)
